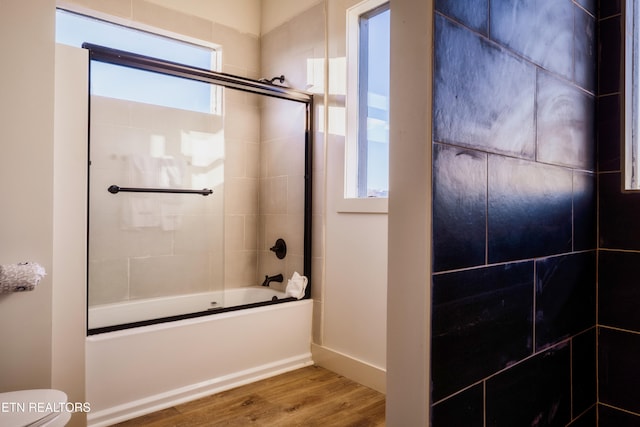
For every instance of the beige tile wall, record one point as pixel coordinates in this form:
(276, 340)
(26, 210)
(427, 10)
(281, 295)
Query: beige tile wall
(215, 244)
(242, 131)
(178, 247)
(281, 187)
(295, 49)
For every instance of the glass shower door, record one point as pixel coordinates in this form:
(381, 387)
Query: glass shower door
(193, 176)
(156, 187)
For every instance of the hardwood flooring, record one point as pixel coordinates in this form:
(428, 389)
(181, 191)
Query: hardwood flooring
(310, 396)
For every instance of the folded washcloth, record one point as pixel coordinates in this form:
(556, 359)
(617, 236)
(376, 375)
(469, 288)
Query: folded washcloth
(20, 277)
(296, 286)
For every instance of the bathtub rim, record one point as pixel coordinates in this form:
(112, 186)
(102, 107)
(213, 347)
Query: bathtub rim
(186, 316)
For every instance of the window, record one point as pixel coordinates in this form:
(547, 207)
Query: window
(367, 155)
(631, 96)
(136, 85)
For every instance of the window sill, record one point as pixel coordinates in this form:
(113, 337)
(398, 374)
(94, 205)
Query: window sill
(371, 205)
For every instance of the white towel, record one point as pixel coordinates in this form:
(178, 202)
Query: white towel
(144, 171)
(296, 286)
(138, 211)
(20, 277)
(153, 210)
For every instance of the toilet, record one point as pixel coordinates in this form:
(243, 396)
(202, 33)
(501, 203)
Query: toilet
(34, 408)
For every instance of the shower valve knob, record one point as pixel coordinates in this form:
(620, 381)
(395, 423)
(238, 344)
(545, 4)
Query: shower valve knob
(280, 248)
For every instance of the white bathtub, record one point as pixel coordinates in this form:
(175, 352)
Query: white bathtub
(135, 371)
(105, 315)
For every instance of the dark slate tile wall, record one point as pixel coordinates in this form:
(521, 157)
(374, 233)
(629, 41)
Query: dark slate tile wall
(612, 417)
(534, 392)
(565, 297)
(588, 419)
(619, 375)
(481, 323)
(529, 209)
(514, 213)
(461, 199)
(584, 370)
(618, 240)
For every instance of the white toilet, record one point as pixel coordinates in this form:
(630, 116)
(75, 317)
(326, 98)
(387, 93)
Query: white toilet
(33, 408)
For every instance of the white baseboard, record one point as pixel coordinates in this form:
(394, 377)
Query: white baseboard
(354, 369)
(171, 398)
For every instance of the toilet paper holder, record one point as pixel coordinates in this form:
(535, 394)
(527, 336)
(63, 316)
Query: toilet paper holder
(20, 277)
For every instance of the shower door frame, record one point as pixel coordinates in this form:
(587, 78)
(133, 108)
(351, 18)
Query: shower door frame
(147, 63)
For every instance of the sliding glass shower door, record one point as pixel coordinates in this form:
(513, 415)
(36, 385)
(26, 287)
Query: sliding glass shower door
(193, 177)
(156, 205)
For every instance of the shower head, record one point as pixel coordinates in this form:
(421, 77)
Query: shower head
(270, 81)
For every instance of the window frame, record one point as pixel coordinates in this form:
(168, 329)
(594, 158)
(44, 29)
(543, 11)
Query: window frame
(350, 201)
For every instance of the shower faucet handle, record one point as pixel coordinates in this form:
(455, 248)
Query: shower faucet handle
(280, 248)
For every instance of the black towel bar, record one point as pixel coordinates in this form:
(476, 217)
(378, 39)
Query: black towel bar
(114, 189)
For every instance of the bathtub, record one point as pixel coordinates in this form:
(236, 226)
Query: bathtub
(132, 372)
(135, 311)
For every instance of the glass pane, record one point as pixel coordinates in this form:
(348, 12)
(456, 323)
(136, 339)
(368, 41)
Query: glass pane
(149, 246)
(153, 255)
(375, 155)
(129, 84)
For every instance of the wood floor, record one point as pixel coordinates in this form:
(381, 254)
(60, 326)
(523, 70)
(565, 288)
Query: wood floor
(310, 396)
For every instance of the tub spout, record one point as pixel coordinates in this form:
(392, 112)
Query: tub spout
(269, 279)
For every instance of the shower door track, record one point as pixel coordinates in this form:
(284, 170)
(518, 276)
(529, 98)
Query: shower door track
(141, 62)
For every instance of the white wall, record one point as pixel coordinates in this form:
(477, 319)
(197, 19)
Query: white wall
(70, 225)
(42, 332)
(353, 334)
(26, 190)
(409, 293)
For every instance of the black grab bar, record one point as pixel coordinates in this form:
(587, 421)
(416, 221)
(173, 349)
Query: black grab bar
(114, 189)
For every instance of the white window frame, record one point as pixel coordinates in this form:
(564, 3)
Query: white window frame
(350, 202)
(631, 96)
